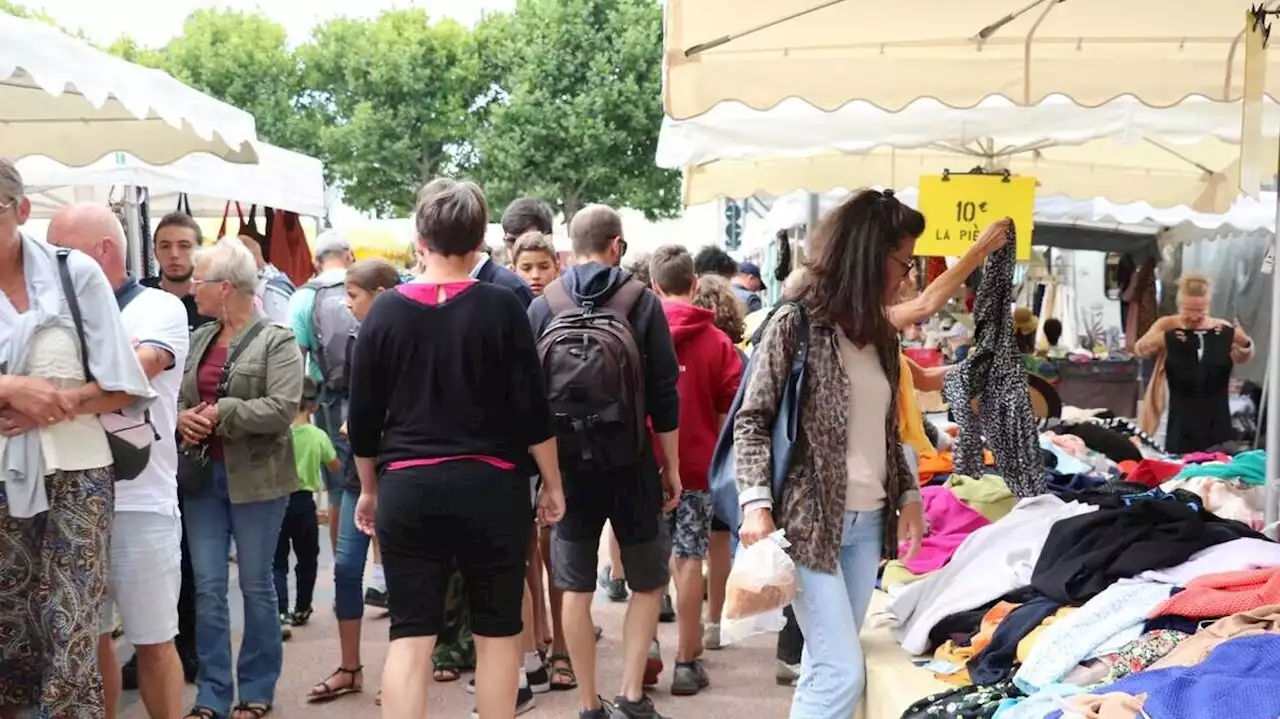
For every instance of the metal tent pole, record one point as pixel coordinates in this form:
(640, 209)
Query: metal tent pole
(133, 227)
(1272, 511)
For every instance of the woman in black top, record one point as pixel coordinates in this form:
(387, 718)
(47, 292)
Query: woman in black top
(447, 405)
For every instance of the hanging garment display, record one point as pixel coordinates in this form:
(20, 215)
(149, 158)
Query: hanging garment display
(992, 374)
(289, 251)
(1198, 369)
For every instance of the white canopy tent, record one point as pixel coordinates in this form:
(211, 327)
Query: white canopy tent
(63, 98)
(282, 179)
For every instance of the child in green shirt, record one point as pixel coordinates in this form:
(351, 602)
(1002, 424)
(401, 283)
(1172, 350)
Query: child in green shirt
(300, 532)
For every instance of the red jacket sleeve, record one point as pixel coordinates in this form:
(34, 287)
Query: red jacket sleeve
(730, 376)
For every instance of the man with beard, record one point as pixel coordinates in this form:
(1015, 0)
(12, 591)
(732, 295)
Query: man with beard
(177, 237)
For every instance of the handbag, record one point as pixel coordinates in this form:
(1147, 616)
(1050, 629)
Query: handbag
(786, 429)
(195, 471)
(130, 440)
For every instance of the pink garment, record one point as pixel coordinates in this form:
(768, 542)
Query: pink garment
(1205, 458)
(948, 521)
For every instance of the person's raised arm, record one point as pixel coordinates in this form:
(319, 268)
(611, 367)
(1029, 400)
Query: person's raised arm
(926, 379)
(937, 293)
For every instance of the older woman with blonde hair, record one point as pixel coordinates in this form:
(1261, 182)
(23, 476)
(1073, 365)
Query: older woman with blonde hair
(240, 390)
(65, 359)
(1186, 406)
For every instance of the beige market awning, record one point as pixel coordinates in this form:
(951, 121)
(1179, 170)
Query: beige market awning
(828, 52)
(1201, 175)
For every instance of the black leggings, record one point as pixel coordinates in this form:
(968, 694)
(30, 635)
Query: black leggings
(790, 640)
(300, 532)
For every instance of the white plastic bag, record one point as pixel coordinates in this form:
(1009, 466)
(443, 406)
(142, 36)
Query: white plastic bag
(762, 582)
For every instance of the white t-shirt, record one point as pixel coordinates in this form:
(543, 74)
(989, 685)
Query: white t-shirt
(869, 398)
(159, 319)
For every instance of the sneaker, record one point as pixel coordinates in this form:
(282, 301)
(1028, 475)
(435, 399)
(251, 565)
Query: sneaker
(626, 709)
(667, 614)
(300, 617)
(524, 703)
(615, 589)
(375, 598)
(711, 637)
(689, 678)
(539, 680)
(286, 632)
(653, 666)
(787, 674)
(604, 712)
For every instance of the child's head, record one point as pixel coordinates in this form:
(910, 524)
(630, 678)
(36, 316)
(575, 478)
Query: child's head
(310, 391)
(534, 257)
(672, 271)
(716, 294)
(365, 280)
(1053, 330)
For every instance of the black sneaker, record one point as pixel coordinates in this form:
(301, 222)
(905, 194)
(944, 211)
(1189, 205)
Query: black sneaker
(129, 674)
(286, 631)
(689, 678)
(375, 598)
(667, 614)
(300, 617)
(524, 703)
(615, 589)
(626, 709)
(604, 712)
(539, 680)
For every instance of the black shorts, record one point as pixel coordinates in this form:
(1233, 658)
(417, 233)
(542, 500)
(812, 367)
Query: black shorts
(718, 525)
(631, 501)
(463, 513)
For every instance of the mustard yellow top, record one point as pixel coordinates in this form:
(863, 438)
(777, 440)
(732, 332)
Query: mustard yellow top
(910, 421)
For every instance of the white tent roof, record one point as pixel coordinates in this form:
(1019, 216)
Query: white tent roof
(282, 179)
(63, 98)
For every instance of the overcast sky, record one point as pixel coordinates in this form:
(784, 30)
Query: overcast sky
(154, 22)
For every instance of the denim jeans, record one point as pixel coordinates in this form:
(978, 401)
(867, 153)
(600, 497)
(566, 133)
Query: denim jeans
(830, 609)
(348, 562)
(212, 521)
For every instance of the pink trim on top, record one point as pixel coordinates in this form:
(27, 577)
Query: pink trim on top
(409, 463)
(428, 293)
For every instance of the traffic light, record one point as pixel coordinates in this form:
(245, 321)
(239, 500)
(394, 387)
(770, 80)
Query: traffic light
(732, 225)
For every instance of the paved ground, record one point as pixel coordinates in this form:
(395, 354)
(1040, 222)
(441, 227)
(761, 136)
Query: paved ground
(741, 676)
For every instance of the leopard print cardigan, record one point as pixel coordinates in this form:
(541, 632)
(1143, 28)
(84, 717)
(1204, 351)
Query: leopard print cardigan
(993, 373)
(813, 502)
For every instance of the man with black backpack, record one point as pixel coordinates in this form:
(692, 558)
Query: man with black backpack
(323, 324)
(611, 373)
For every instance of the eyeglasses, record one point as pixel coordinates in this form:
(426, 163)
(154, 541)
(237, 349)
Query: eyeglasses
(906, 265)
(5, 206)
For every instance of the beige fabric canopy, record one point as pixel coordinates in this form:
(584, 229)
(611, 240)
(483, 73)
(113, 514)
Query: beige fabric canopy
(1200, 175)
(829, 52)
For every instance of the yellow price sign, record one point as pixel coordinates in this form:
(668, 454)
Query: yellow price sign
(957, 208)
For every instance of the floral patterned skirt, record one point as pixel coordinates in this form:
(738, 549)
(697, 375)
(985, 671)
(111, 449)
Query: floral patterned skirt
(53, 579)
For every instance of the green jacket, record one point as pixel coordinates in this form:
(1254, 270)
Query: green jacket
(255, 417)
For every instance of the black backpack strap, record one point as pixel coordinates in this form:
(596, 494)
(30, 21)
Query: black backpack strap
(558, 299)
(625, 298)
(69, 292)
(245, 340)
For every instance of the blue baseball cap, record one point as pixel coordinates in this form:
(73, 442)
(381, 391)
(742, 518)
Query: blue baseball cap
(751, 269)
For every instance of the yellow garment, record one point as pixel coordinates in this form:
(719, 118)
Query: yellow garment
(896, 574)
(959, 656)
(750, 324)
(988, 495)
(910, 421)
(1029, 642)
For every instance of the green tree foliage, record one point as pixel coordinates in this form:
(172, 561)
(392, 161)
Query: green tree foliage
(394, 94)
(579, 101)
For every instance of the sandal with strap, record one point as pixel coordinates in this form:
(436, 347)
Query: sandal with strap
(329, 692)
(256, 710)
(444, 675)
(199, 712)
(563, 677)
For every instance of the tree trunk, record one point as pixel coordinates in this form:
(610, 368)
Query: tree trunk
(570, 205)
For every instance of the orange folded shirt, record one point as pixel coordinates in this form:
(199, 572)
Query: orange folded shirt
(1221, 595)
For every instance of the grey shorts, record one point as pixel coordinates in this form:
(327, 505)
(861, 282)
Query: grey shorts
(690, 525)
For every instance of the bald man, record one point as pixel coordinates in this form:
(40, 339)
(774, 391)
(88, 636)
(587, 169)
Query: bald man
(630, 498)
(146, 533)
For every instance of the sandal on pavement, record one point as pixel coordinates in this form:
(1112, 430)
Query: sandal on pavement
(328, 692)
(255, 710)
(444, 675)
(199, 712)
(563, 677)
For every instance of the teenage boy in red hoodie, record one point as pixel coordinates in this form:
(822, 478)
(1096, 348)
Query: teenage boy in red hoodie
(709, 376)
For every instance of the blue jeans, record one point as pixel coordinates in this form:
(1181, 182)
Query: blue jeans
(830, 609)
(348, 562)
(212, 521)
